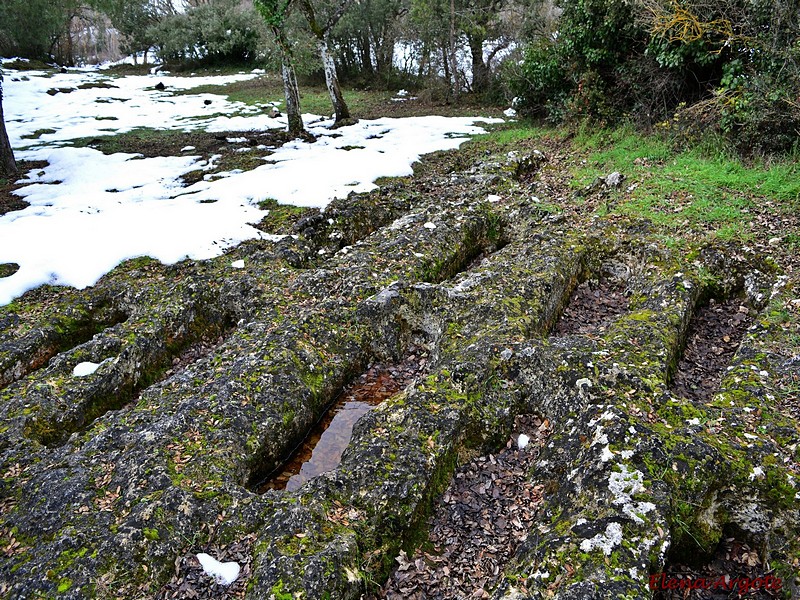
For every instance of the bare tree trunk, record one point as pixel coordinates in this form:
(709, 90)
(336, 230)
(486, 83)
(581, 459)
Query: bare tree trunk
(452, 50)
(446, 65)
(365, 52)
(480, 70)
(290, 91)
(293, 115)
(8, 166)
(341, 112)
(321, 32)
(423, 60)
(70, 58)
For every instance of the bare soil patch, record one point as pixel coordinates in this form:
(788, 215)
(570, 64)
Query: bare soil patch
(9, 201)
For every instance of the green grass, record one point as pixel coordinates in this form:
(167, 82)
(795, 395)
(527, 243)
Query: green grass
(508, 133)
(686, 188)
(131, 141)
(268, 88)
(360, 102)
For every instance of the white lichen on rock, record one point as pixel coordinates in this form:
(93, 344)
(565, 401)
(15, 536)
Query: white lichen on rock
(607, 541)
(624, 485)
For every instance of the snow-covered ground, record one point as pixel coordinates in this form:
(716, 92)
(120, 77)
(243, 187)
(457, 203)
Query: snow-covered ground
(89, 211)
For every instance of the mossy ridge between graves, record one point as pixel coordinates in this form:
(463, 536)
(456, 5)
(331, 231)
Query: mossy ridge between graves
(694, 473)
(184, 311)
(184, 477)
(404, 451)
(463, 395)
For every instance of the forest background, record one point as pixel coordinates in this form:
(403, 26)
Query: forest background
(723, 68)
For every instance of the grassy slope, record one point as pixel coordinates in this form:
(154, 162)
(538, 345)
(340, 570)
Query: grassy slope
(695, 191)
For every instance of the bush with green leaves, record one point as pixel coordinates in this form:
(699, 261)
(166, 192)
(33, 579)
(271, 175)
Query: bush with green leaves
(538, 82)
(222, 31)
(580, 72)
(729, 65)
(29, 28)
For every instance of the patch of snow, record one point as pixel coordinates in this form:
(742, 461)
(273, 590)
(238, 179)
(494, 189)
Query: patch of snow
(84, 369)
(522, 441)
(429, 225)
(98, 210)
(694, 421)
(187, 148)
(510, 113)
(758, 473)
(106, 209)
(238, 264)
(493, 198)
(540, 575)
(224, 573)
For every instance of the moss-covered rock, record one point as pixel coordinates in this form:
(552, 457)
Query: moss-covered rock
(108, 478)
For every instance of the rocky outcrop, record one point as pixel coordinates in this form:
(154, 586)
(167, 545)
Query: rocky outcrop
(109, 479)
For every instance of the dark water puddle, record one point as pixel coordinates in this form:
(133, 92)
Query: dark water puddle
(322, 449)
(714, 336)
(593, 307)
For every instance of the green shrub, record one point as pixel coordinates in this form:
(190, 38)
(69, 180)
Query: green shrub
(219, 32)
